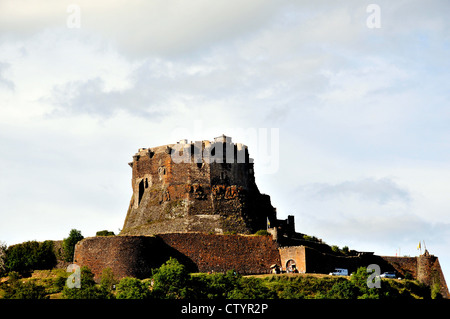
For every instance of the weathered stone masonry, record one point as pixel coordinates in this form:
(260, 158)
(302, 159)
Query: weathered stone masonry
(200, 186)
(135, 256)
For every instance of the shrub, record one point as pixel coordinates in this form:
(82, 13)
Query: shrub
(335, 249)
(88, 288)
(16, 289)
(262, 232)
(132, 288)
(107, 280)
(252, 288)
(343, 290)
(105, 233)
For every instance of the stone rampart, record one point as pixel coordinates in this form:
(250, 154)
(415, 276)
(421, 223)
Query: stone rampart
(135, 256)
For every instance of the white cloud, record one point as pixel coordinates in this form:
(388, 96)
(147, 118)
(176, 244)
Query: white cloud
(382, 191)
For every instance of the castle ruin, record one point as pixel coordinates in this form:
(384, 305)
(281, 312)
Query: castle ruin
(200, 186)
(198, 202)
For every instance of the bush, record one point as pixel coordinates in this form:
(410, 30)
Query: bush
(30, 255)
(132, 288)
(107, 280)
(16, 289)
(343, 290)
(105, 233)
(262, 232)
(69, 244)
(252, 288)
(335, 249)
(88, 288)
(214, 286)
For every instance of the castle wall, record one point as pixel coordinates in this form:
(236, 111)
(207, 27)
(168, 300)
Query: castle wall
(425, 268)
(403, 265)
(125, 255)
(219, 253)
(135, 256)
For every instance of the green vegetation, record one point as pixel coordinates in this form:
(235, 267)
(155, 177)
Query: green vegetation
(172, 281)
(132, 288)
(28, 256)
(105, 233)
(69, 244)
(262, 232)
(16, 289)
(88, 290)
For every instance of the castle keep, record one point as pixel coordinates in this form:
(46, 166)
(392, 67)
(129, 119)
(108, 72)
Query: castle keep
(198, 202)
(200, 186)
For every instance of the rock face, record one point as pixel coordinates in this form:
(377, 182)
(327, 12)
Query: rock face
(200, 186)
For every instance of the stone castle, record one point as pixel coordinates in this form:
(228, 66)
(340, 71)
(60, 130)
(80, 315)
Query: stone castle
(198, 202)
(202, 187)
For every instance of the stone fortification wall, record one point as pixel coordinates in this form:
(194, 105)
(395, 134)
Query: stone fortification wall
(425, 268)
(219, 253)
(135, 256)
(132, 256)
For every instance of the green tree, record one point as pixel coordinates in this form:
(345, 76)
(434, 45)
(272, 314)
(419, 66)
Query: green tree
(132, 288)
(107, 279)
(171, 281)
(69, 244)
(214, 286)
(345, 250)
(29, 256)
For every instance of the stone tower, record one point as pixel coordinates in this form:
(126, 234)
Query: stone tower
(196, 187)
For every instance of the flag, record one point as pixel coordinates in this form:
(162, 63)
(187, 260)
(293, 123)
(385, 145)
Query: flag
(418, 247)
(268, 222)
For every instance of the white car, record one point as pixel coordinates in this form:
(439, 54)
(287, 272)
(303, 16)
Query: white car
(388, 274)
(339, 272)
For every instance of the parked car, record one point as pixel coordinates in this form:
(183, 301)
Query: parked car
(388, 274)
(339, 272)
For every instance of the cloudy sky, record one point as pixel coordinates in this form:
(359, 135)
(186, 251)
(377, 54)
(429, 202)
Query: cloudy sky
(357, 117)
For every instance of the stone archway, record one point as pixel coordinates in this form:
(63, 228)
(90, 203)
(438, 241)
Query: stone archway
(291, 266)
